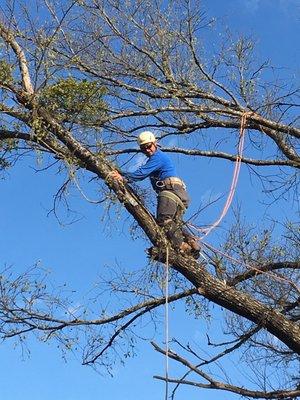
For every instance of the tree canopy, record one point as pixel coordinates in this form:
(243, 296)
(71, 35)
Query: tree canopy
(78, 80)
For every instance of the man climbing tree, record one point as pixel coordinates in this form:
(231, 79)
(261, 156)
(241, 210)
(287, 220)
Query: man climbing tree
(172, 197)
(78, 79)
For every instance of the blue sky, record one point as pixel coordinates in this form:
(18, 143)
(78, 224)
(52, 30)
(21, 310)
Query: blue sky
(77, 253)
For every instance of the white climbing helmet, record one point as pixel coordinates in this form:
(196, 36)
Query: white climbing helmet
(146, 137)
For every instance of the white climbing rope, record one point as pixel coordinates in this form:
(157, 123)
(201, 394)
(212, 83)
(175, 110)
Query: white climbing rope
(167, 323)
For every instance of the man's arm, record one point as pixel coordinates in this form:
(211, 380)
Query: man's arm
(153, 164)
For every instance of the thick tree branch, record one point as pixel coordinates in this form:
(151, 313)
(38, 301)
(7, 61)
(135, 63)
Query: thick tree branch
(8, 37)
(212, 154)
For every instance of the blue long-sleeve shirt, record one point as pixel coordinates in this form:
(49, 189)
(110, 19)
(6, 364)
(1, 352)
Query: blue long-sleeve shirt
(158, 167)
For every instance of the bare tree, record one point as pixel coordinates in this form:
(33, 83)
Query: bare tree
(77, 87)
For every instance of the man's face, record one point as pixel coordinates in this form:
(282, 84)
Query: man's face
(148, 148)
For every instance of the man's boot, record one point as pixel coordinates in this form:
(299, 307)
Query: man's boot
(185, 248)
(195, 246)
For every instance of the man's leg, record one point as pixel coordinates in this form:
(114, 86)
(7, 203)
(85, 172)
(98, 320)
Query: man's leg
(167, 210)
(188, 238)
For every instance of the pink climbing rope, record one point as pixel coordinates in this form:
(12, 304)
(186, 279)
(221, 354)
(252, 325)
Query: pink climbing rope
(235, 177)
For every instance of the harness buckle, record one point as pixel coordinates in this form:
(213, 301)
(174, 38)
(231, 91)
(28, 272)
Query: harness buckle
(160, 184)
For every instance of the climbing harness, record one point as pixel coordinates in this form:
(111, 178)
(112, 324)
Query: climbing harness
(172, 180)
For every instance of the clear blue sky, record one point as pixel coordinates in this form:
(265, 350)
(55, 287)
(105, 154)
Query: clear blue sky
(77, 253)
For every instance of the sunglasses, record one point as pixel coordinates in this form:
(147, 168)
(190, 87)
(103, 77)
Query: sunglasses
(145, 147)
